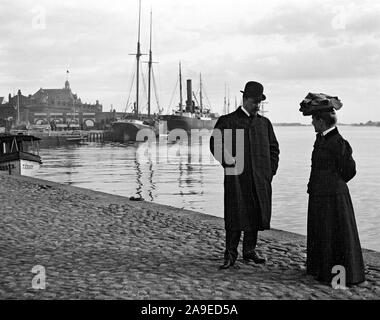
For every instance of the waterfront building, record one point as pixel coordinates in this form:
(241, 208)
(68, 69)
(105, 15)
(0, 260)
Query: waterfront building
(60, 108)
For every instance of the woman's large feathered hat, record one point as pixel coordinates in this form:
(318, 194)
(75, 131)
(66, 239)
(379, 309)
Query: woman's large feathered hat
(319, 102)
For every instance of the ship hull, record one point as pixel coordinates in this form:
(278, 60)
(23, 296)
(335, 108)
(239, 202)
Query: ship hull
(125, 131)
(56, 138)
(187, 123)
(20, 163)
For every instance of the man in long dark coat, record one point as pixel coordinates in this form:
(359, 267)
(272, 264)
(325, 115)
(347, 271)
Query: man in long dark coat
(246, 146)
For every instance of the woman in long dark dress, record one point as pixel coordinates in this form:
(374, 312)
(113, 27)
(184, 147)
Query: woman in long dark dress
(332, 236)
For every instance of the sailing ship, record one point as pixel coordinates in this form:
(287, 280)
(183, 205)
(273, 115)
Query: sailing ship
(190, 116)
(19, 154)
(126, 129)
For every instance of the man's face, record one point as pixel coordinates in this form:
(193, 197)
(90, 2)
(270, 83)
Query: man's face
(252, 105)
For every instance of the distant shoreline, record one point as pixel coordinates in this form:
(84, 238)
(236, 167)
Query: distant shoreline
(290, 124)
(373, 124)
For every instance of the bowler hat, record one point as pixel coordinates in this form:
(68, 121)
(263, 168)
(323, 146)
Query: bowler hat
(254, 90)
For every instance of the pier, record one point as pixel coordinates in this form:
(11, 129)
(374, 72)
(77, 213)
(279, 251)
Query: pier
(94, 245)
(97, 136)
(94, 136)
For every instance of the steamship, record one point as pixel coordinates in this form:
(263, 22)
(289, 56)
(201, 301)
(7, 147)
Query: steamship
(192, 116)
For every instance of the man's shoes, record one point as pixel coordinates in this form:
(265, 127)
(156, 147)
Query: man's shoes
(229, 261)
(252, 256)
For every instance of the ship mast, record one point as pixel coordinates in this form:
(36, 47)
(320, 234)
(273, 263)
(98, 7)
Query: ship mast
(225, 99)
(18, 107)
(262, 110)
(150, 63)
(200, 93)
(180, 90)
(138, 55)
(228, 101)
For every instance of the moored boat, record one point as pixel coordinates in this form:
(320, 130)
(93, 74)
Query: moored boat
(125, 130)
(51, 138)
(19, 154)
(188, 121)
(190, 116)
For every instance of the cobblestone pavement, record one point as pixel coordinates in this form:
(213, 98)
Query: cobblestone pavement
(98, 246)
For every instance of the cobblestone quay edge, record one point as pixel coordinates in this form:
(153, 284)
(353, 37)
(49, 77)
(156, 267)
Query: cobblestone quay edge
(94, 245)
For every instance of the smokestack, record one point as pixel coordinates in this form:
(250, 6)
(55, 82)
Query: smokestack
(189, 101)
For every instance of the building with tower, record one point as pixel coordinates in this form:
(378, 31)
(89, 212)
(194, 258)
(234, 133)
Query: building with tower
(61, 108)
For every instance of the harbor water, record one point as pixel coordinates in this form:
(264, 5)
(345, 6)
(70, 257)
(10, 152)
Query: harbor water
(187, 177)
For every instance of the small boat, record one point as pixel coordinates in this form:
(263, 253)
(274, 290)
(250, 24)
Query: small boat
(74, 139)
(75, 136)
(19, 154)
(50, 138)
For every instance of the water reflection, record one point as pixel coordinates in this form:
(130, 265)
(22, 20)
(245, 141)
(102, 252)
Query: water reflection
(144, 187)
(175, 175)
(138, 179)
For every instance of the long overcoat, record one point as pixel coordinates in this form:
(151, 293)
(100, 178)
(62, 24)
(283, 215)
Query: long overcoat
(247, 194)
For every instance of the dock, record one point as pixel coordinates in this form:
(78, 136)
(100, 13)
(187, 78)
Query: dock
(97, 136)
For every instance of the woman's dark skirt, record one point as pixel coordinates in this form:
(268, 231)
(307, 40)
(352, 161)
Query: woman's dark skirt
(332, 238)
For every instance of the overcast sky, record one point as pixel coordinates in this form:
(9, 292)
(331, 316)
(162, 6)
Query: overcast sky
(291, 47)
